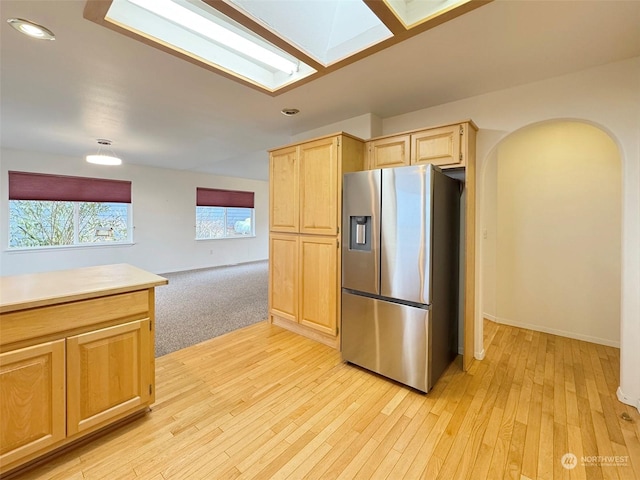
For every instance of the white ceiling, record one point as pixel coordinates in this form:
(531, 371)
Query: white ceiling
(158, 110)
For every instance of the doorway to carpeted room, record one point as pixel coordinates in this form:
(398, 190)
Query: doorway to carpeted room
(198, 305)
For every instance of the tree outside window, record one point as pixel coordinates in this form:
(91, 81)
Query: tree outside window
(223, 222)
(34, 223)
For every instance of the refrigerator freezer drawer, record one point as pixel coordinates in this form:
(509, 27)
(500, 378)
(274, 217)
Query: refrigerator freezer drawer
(388, 338)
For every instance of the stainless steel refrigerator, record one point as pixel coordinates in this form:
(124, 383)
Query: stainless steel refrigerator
(400, 256)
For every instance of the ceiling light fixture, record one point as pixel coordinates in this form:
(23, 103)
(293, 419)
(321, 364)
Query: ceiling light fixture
(289, 112)
(202, 26)
(104, 158)
(31, 29)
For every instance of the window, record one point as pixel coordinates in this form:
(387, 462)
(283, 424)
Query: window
(55, 210)
(224, 214)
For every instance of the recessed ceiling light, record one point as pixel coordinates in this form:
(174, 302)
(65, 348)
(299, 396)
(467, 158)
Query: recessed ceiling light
(31, 29)
(104, 158)
(289, 112)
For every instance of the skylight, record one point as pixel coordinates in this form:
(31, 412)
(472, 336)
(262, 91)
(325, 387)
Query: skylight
(412, 12)
(274, 45)
(201, 32)
(328, 30)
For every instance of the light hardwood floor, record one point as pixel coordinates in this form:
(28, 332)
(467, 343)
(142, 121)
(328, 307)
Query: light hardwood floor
(265, 403)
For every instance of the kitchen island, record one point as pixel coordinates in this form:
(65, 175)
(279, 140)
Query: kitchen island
(76, 356)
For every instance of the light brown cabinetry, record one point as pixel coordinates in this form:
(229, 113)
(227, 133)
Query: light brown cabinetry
(319, 285)
(304, 281)
(446, 146)
(284, 172)
(304, 250)
(319, 183)
(283, 275)
(389, 152)
(108, 374)
(77, 355)
(32, 411)
(439, 146)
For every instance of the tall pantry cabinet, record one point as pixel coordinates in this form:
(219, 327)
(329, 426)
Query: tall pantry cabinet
(305, 206)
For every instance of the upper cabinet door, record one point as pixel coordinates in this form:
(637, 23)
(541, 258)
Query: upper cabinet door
(319, 177)
(438, 146)
(284, 190)
(388, 152)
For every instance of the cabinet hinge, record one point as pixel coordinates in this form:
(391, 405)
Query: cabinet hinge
(338, 229)
(461, 129)
(150, 326)
(150, 389)
(460, 157)
(337, 243)
(338, 141)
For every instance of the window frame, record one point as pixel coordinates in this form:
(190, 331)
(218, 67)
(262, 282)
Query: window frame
(225, 199)
(75, 190)
(76, 231)
(227, 237)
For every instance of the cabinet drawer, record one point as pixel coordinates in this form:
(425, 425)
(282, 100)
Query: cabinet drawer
(40, 322)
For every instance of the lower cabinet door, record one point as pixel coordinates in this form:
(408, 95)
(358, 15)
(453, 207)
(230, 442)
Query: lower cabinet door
(108, 374)
(319, 283)
(283, 275)
(32, 410)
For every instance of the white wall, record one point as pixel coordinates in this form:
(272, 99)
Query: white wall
(558, 232)
(163, 215)
(364, 126)
(609, 97)
(487, 231)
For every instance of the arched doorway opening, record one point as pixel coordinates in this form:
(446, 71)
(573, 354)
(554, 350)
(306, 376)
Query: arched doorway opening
(551, 231)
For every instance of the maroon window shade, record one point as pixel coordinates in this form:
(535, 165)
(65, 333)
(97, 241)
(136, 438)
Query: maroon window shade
(42, 186)
(212, 197)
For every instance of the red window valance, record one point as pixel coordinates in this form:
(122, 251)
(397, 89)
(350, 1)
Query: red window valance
(42, 186)
(213, 197)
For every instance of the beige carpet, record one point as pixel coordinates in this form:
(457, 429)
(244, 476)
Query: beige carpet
(201, 304)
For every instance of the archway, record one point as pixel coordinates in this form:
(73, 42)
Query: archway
(551, 231)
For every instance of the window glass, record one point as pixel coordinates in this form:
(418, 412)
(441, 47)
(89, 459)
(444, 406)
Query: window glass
(102, 222)
(38, 223)
(224, 222)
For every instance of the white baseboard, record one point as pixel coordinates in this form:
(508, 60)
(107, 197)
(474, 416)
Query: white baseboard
(489, 317)
(478, 355)
(554, 331)
(634, 402)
